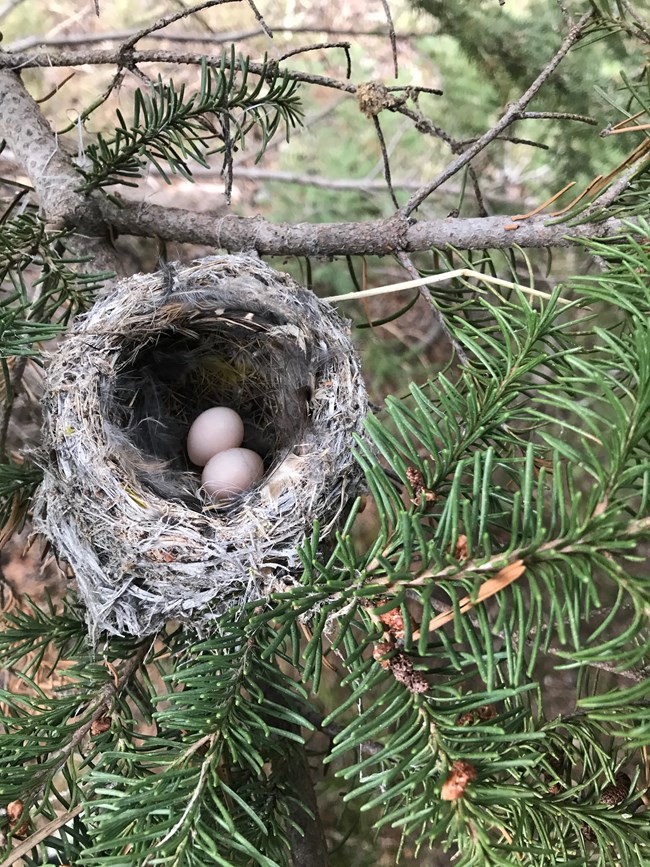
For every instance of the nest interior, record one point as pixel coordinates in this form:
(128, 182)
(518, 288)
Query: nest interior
(120, 500)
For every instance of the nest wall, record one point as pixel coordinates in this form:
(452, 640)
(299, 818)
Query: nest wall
(120, 500)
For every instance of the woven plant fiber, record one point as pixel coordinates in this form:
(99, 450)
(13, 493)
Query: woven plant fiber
(120, 501)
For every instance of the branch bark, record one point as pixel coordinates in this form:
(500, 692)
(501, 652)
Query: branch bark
(30, 137)
(53, 174)
(57, 185)
(371, 238)
(131, 57)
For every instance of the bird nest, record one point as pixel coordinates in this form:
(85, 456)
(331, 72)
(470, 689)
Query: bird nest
(120, 500)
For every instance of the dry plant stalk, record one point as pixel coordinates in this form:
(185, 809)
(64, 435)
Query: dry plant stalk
(120, 501)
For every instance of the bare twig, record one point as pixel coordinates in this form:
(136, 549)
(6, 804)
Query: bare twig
(567, 17)
(211, 39)
(227, 157)
(642, 28)
(57, 87)
(26, 846)
(509, 138)
(319, 45)
(513, 113)
(437, 314)
(392, 36)
(122, 57)
(260, 19)
(414, 90)
(386, 163)
(424, 125)
(7, 406)
(363, 184)
(165, 20)
(482, 210)
(556, 115)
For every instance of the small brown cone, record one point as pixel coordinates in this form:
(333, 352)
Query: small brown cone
(380, 651)
(481, 714)
(616, 792)
(99, 726)
(454, 786)
(402, 669)
(16, 810)
(416, 481)
(393, 622)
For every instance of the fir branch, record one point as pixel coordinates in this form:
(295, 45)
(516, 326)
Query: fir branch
(17, 485)
(363, 238)
(51, 171)
(170, 127)
(26, 846)
(211, 790)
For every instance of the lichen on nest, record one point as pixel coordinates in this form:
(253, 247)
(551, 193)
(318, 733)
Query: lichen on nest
(120, 500)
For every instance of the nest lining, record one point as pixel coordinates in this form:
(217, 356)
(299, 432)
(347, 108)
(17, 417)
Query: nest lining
(120, 500)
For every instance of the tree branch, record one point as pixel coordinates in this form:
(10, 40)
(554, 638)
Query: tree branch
(52, 174)
(513, 113)
(305, 829)
(165, 20)
(119, 57)
(35, 147)
(372, 237)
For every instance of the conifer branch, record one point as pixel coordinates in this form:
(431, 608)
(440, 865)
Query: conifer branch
(513, 113)
(26, 846)
(100, 706)
(52, 173)
(373, 237)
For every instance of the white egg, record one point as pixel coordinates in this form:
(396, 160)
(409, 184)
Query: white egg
(231, 472)
(215, 430)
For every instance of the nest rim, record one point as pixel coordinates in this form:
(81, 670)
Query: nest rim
(142, 557)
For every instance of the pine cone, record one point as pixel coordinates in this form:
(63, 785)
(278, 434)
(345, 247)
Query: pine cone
(481, 714)
(617, 791)
(454, 786)
(588, 833)
(612, 795)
